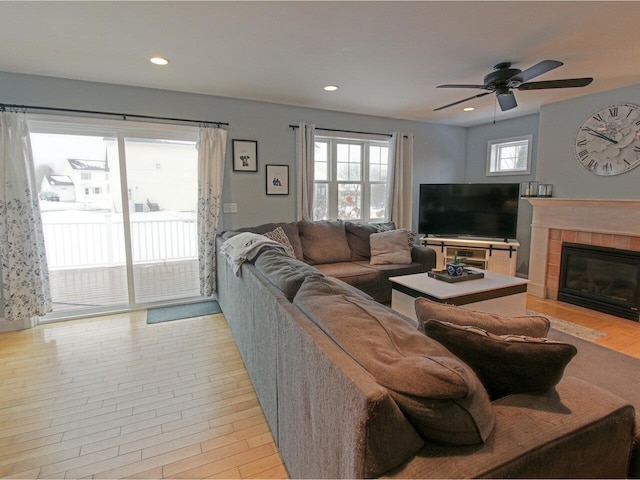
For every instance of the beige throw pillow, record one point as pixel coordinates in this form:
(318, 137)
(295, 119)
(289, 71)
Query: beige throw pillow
(390, 248)
(279, 236)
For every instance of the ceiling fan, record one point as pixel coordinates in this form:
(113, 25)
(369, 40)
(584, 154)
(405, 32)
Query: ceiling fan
(504, 78)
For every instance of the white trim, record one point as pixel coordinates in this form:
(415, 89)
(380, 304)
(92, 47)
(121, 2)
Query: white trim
(491, 160)
(41, 123)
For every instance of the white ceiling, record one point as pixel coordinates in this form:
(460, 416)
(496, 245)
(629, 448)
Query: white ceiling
(387, 57)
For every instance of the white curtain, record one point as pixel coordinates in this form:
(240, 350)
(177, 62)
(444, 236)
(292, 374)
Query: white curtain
(400, 192)
(212, 146)
(305, 148)
(25, 277)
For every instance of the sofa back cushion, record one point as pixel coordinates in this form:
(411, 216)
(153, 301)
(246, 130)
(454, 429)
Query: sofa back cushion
(358, 238)
(290, 230)
(440, 395)
(324, 241)
(284, 272)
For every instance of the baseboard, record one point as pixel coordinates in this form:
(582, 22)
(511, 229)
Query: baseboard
(7, 326)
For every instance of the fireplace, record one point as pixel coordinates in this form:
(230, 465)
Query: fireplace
(601, 278)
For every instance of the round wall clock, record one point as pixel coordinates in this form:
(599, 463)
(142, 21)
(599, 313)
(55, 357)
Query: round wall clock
(608, 143)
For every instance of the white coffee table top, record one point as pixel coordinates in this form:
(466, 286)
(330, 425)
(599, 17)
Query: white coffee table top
(421, 282)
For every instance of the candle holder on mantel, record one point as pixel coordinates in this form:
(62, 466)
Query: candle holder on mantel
(545, 189)
(529, 189)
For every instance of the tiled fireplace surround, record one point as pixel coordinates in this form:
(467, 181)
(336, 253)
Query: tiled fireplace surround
(605, 222)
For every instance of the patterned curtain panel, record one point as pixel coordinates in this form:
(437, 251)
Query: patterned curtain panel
(212, 146)
(305, 146)
(401, 180)
(25, 277)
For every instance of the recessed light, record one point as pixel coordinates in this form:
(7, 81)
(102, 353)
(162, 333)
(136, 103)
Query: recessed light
(468, 109)
(331, 88)
(159, 61)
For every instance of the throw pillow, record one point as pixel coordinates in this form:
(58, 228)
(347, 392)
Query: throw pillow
(441, 396)
(411, 237)
(505, 364)
(279, 236)
(532, 325)
(390, 247)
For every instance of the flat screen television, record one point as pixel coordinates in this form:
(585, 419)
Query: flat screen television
(483, 210)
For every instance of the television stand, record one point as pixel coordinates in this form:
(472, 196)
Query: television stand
(492, 255)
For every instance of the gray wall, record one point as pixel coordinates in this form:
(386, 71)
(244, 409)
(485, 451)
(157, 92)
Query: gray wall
(438, 149)
(557, 164)
(476, 171)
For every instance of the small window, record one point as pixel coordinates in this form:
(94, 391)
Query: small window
(509, 156)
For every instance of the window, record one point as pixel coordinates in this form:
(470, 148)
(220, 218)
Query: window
(350, 179)
(509, 156)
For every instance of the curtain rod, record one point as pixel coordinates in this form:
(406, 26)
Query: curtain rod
(345, 131)
(124, 116)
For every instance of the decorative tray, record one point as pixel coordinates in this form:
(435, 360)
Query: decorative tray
(445, 277)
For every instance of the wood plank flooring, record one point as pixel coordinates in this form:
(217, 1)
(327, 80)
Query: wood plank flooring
(113, 397)
(622, 335)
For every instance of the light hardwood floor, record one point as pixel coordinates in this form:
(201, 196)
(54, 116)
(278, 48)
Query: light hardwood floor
(113, 397)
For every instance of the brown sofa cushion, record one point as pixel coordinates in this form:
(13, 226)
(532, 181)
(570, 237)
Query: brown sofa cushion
(324, 241)
(532, 325)
(505, 364)
(439, 394)
(284, 272)
(390, 248)
(358, 239)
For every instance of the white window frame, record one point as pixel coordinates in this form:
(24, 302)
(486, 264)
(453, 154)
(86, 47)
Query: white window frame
(365, 141)
(494, 146)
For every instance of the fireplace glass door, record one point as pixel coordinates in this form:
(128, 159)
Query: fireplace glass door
(601, 278)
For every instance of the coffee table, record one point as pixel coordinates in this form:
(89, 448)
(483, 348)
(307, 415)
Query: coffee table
(495, 293)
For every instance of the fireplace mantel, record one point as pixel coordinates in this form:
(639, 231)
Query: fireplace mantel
(609, 218)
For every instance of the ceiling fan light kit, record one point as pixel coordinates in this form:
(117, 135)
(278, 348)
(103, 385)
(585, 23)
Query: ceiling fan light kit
(504, 79)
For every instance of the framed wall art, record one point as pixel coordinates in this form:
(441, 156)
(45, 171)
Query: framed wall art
(245, 156)
(277, 179)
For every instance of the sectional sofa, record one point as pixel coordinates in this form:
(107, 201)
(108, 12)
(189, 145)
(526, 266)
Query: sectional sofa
(352, 389)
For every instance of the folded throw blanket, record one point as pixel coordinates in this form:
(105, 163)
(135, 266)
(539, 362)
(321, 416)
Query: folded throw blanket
(246, 246)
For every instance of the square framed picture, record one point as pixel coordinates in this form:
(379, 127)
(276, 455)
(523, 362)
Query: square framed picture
(245, 156)
(277, 179)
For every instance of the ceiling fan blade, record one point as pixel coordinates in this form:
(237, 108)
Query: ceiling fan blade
(457, 85)
(461, 101)
(507, 100)
(538, 69)
(566, 83)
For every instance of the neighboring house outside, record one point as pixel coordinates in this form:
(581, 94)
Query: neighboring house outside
(62, 185)
(91, 181)
(161, 175)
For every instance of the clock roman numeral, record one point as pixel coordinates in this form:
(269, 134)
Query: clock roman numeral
(597, 117)
(636, 149)
(591, 164)
(625, 161)
(583, 154)
(613, 111)
(581, 143)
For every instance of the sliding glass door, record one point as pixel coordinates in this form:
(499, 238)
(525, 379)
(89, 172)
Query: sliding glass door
(119, 213)
(162, 178)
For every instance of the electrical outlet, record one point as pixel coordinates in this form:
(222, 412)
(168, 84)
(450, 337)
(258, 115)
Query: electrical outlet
(229, 208)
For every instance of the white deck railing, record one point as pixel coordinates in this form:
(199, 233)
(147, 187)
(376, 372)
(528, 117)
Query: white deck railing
(71, 245)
